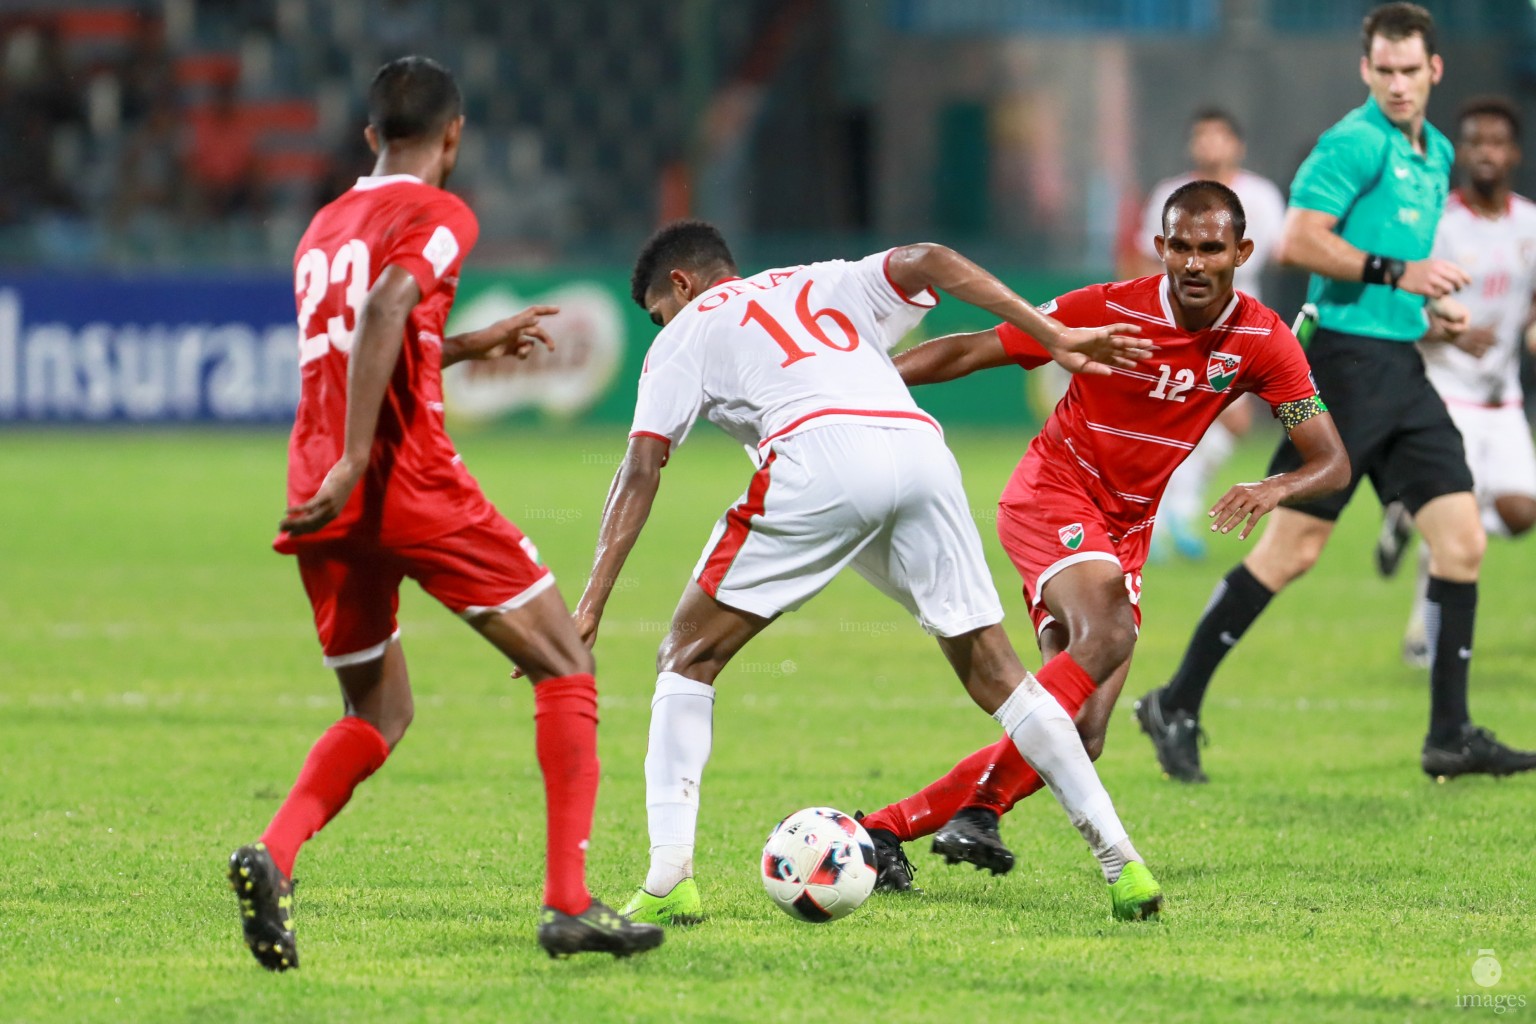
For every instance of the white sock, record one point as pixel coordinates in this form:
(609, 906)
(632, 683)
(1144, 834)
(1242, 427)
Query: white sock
(682, 728)
(1184, 499)
(1046, 737)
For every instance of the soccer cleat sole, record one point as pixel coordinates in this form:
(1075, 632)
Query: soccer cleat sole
(1147, 911)
(999, 862)
(265, 910)
(563, 936)
(1449, 773)
(618, 951)
(679, 908)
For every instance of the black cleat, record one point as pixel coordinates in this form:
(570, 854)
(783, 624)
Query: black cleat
(893, 871)
(971, 836)
(1392, 541)
(598, 929)
(266, 907)
(1476, 752)
(1175, 735)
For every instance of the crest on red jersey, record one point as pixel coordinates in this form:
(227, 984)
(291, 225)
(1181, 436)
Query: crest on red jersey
(1071, 536)
(1221, 369)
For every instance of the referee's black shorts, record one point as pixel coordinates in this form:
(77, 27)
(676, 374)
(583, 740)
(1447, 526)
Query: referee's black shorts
(1393, 422)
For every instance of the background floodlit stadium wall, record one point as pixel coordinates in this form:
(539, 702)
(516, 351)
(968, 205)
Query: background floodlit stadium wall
(161, 159)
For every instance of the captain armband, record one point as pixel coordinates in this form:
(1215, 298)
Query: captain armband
(1294, 414)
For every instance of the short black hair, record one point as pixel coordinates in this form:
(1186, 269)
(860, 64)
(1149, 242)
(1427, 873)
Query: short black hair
(1202, 195)
(1398, 21)
(681, 245)
(1217, 114)
(1492, 106)
(411, 98)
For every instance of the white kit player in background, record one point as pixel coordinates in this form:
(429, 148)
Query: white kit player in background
(1490, 231)
(1216, 152)
(794, 365)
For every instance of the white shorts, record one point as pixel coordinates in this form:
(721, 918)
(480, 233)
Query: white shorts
(1499, 450)
(887, 501)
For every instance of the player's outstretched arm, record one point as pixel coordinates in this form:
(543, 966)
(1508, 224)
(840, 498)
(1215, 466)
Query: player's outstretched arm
(624, 515)
(1080, 349)
(1309, 242)
(515, 335)
(951, 357)
(376, 347)
(1324, 469)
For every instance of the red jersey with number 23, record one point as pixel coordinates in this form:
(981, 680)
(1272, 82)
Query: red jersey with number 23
(1123, 435)
(416, 487)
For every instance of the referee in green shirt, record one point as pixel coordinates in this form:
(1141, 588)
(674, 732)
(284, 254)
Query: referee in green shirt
(1362, 219)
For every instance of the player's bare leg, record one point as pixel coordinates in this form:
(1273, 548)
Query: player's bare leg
(1091, 639)
(703, 638)
(1289, 547)
(541, 640)
(1047, 738)
(376, 697)
(379, 693)
(1505, 515)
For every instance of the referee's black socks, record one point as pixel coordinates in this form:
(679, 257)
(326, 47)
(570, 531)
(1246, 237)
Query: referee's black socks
(1450, 610)
(1236, 602)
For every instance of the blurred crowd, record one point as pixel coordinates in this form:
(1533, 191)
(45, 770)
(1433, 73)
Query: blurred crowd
(185, 131)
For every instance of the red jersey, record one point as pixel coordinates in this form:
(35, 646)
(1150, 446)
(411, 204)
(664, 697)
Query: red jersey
(416, 487)
(1124, 434)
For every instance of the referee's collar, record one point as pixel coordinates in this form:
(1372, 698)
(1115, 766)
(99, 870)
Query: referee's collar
(1374, 113)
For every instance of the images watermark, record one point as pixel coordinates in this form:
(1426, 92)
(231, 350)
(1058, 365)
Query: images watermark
(614, 583)
(787, 667)
(553, 515)
(1486, 973)
(873, 627)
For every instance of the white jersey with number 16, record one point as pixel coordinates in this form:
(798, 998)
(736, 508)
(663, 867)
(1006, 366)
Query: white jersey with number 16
(783, 351)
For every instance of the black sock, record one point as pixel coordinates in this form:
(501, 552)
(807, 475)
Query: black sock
(1236, 602)
(1450, 611)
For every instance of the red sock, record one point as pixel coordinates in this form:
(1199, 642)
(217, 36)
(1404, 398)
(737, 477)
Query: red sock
(922, 813)
(996, 777)
(1010, 778)
(344, 755)
(565, 718)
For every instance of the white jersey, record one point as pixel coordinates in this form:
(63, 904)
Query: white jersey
(1263, 206)
(1500, 254)
(783, 351)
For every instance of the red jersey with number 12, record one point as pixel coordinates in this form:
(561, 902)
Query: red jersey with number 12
(416, 487)
(1124, 434)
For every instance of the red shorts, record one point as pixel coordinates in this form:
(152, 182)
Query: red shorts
(354, 586)
(1048, 521)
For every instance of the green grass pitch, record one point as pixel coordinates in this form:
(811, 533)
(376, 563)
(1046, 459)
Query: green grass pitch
(160, 683)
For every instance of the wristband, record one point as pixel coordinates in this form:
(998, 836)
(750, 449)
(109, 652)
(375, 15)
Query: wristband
(1382, 270)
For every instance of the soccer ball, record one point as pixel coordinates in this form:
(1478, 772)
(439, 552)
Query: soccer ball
(819, 865)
